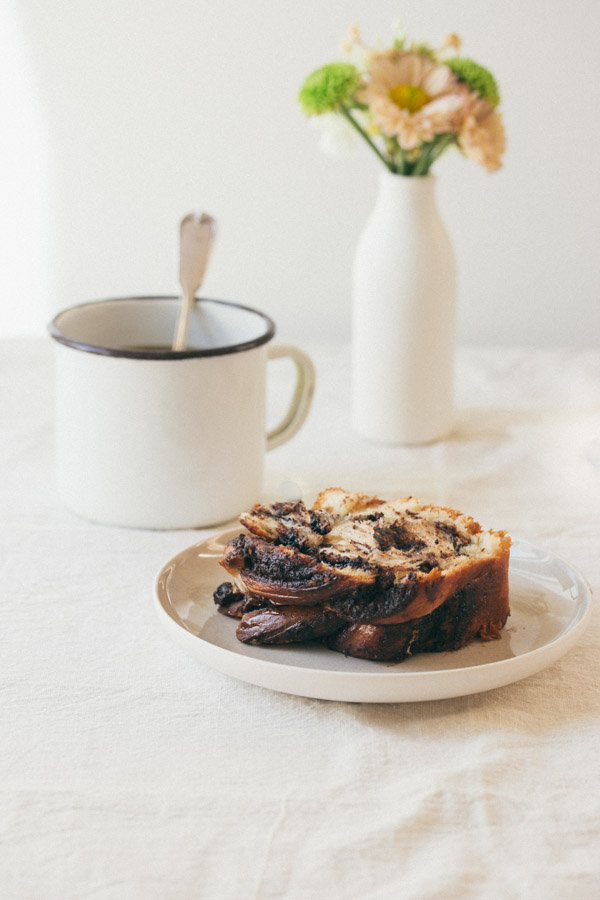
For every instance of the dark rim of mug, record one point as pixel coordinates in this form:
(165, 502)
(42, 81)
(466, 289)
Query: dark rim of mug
(62, 338)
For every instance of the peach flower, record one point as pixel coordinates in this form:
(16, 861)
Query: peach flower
(413, 98)
(482, 137)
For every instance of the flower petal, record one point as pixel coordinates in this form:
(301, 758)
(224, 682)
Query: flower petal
(438, 80)
(484, 140)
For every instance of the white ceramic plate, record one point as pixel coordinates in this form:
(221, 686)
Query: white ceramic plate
(550, 608)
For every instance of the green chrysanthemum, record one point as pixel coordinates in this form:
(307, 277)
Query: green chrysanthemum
(326, 88)
(478, 78)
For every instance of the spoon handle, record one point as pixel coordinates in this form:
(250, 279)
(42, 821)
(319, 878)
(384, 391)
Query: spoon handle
(183, 321)
(197, 234)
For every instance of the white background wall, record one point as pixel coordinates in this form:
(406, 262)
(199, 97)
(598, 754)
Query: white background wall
(119, 116)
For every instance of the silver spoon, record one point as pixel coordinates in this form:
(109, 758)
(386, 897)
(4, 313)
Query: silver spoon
(197, 235)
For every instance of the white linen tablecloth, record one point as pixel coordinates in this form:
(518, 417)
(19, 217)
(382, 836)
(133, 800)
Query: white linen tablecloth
(127, 770)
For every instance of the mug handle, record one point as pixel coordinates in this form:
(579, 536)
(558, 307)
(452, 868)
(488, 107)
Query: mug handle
(301, 398)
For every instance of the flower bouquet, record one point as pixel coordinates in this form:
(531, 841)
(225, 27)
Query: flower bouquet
(410, 102)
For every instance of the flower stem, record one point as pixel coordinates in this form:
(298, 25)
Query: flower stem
(406, 166)
(346, 112)
(432, 152)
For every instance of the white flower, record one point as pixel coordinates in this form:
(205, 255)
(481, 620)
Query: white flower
(338, 138)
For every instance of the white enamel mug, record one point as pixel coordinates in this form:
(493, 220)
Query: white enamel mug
(148, 437)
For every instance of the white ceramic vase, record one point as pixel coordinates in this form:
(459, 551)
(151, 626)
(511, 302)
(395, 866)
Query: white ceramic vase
(404, 312)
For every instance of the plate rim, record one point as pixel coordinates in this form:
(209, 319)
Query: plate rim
(394, 674)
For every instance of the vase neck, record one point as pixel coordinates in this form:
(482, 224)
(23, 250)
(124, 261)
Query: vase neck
(412, 192)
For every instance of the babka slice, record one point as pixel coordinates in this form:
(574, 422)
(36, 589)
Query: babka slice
(371, 566)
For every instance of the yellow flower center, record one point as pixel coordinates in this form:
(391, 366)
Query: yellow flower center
(408, 96)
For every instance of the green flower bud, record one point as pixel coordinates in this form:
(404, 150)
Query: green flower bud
(478, 78)
(326, 88)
